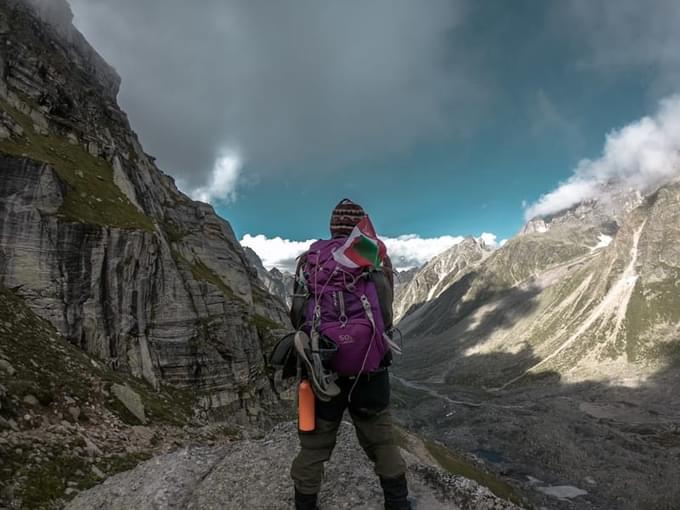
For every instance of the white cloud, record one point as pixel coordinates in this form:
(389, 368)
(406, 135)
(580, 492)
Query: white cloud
(276, 252)
(223, 179)
(411, 250)
(640, 156)
(489, 239)
(406, 251)
(300, 86)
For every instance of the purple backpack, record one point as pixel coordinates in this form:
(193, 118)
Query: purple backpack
(343, 306)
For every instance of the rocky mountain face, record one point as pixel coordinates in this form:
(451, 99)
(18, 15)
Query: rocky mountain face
(404, 277)
(427, 283)
(559, 345)
(576, 295)
(279, 284)
(99, 242)
(606, 212)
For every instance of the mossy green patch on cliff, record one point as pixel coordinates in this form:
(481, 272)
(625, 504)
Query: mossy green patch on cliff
(44, 363)
(527, 255)
(42, 482)
(48, 367)
(651, 307)
(93, 196)
(169, 405)
(264, 324)
(460, 466)
(203, 273)
(173, 232)
(61, 376)
(455, 464)
(172, 405)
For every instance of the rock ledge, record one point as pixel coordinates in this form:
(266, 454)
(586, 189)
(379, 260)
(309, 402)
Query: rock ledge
(254, 474)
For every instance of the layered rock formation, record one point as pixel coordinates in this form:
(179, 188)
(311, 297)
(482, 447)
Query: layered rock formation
(404, 277)
(67, 421)
(280, 284)
(102, 244)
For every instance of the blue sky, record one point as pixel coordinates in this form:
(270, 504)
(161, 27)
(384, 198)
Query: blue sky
(544, 114)
(441, 121)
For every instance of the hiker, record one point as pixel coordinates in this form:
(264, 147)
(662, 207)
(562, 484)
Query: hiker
(367, 395)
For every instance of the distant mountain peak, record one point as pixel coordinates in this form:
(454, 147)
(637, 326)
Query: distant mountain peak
(430, 280)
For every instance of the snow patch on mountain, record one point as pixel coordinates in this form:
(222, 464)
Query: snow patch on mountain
(604, 241)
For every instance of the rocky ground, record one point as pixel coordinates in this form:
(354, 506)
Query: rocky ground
(253, 474)
(68, 421)
(580, 446)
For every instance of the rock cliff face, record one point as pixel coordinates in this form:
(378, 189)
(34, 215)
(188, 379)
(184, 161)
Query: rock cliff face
(403, 278)
(67, 421)
(279, 284)
(102, 244)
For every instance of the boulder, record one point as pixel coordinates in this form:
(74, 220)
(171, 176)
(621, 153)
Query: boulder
(131, 400)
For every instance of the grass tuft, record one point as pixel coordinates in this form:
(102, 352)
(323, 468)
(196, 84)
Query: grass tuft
(93, 196)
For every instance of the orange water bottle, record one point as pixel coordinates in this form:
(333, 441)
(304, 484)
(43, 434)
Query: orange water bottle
(306, 420)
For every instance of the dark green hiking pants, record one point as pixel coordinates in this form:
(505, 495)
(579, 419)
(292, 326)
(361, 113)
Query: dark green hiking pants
(369, 410)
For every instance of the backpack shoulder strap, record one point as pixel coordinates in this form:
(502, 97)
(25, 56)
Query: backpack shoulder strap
(300, 294)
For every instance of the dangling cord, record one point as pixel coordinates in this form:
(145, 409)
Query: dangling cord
(397, 347)
(352, 285)
(317, 309)
(369, 313)
(316, 317)
(363, 364)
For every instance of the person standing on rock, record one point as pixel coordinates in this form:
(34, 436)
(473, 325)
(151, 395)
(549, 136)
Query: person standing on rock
(338, 285)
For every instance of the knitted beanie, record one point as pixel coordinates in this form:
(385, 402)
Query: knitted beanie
(345, 217)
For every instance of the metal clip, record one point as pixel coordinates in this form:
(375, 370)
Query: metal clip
(343, 313)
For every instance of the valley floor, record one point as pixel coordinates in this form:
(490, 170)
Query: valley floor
(565, 446)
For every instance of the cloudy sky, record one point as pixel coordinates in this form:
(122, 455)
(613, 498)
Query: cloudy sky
(443, 118)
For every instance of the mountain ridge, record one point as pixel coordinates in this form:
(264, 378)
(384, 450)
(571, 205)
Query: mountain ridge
(429, 281)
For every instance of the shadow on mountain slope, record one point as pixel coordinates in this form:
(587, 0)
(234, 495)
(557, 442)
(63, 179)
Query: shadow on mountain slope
(447, 329)
(454, 293)
(619, 440)
(467, 296)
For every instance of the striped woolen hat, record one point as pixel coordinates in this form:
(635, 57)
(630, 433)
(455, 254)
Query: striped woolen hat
(345, 217)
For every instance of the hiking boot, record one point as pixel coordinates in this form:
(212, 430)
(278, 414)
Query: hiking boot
(322, 379)
(396, 493)
(305, 501)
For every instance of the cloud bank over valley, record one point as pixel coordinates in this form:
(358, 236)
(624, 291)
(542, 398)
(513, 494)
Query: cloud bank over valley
(406, 251)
